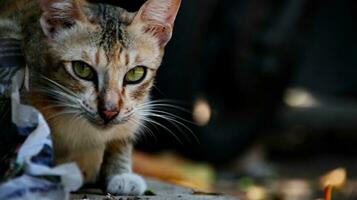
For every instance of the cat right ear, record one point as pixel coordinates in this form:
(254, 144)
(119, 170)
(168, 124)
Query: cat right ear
(59, 15)
(157, 18)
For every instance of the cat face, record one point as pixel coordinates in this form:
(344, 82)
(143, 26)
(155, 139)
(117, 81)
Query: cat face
(102, 60)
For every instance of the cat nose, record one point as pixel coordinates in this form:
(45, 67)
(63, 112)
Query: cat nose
(108, 115)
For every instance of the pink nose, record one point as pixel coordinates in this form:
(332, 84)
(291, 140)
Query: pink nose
(109, 115)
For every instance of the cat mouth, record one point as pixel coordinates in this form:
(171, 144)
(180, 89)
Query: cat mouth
(112, 124)
(105, 125)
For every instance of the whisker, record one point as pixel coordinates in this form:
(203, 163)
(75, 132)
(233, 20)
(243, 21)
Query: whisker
(162, 126)
(57, 106)
(176, 124)
(61, 114)
(171, 115)
(59, 86)
(146, 128)
(155, 108)
(154, 105)
(59, 95)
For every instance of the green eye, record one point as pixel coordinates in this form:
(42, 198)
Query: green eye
(135, 75)
(83, 70)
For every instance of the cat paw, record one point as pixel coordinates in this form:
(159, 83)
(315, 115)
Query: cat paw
(128, 184)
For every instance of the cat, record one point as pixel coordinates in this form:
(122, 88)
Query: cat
(91, 69)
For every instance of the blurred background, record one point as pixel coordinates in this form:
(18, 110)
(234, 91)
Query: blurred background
(270, 87)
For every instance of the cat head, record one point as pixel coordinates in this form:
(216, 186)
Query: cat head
(102, 60)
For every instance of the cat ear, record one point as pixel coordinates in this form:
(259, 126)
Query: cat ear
(158, 17)
(59, 14)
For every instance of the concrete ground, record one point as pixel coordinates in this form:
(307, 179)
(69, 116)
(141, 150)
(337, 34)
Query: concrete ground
(161, 190)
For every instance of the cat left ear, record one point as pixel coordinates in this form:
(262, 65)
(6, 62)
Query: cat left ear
(59, 15)
(157, 18)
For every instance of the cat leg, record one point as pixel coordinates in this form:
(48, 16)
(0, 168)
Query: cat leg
(117, 171)
(88, 161)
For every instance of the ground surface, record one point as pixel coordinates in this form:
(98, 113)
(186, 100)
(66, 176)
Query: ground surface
(161, 190)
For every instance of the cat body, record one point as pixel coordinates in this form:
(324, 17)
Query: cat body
(91, 70)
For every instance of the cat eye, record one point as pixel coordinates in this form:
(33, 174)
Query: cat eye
(83, 70)
(135, 75)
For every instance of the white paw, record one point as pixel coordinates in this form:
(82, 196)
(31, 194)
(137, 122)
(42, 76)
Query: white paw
(128, 184)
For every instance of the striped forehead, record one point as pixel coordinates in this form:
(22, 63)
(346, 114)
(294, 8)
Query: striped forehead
(112, 29)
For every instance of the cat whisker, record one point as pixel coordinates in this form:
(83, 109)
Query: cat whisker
(145, 127)
(158, 103)
(59, 106)
(162, 126)
(67, 112)
(77, 117)
(58, 95)
(61, 96)
(173, 121)
(171, 115)
(60, 86)
(152, 109)
(176, 124)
